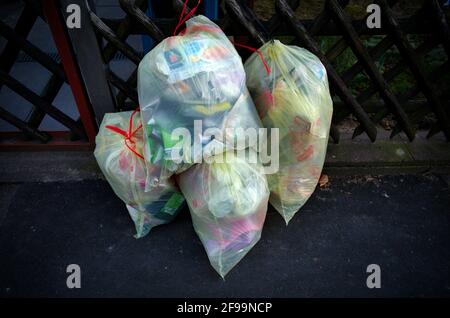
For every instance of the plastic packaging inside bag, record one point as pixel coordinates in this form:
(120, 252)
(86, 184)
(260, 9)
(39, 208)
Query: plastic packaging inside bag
(186, 78)
(121, 161)
(295, 98)
(228, 204)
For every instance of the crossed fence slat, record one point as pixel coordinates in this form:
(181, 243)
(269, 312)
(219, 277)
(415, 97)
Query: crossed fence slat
(239, 19)
(415, 66)
(7, 59)
(370, 68)
(444, 33)
(42, 103)
(332, 14)
(338, 84)
(50, 91)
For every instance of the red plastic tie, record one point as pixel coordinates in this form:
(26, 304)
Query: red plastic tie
(128, 134)
(254, 50)
(182, 19)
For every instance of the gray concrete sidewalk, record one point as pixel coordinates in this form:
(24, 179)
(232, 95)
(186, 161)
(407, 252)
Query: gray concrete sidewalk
(349, 157)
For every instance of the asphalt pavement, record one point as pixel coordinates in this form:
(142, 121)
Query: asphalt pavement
(401, 223)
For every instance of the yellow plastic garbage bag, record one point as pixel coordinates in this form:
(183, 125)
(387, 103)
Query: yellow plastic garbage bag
(294, 97)
(194, 77)
(119, 154)
(228, 204)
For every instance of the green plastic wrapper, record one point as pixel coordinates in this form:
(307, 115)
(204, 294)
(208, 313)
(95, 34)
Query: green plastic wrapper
(228, 204)
(294, 97)
(123, 166)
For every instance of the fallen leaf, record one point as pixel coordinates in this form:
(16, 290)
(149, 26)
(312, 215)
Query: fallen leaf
(324, 181)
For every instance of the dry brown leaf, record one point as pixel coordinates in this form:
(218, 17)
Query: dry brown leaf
(324, 181)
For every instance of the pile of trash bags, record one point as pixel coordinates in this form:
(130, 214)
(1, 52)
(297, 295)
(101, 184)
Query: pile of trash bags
(184, 145)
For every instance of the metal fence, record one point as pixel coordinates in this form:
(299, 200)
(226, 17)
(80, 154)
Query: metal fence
(80, 133)
(364, 87)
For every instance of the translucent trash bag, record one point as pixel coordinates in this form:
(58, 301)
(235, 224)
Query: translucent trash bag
(228, 205)
(197, 76)
(294, 97)
(119, 154)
